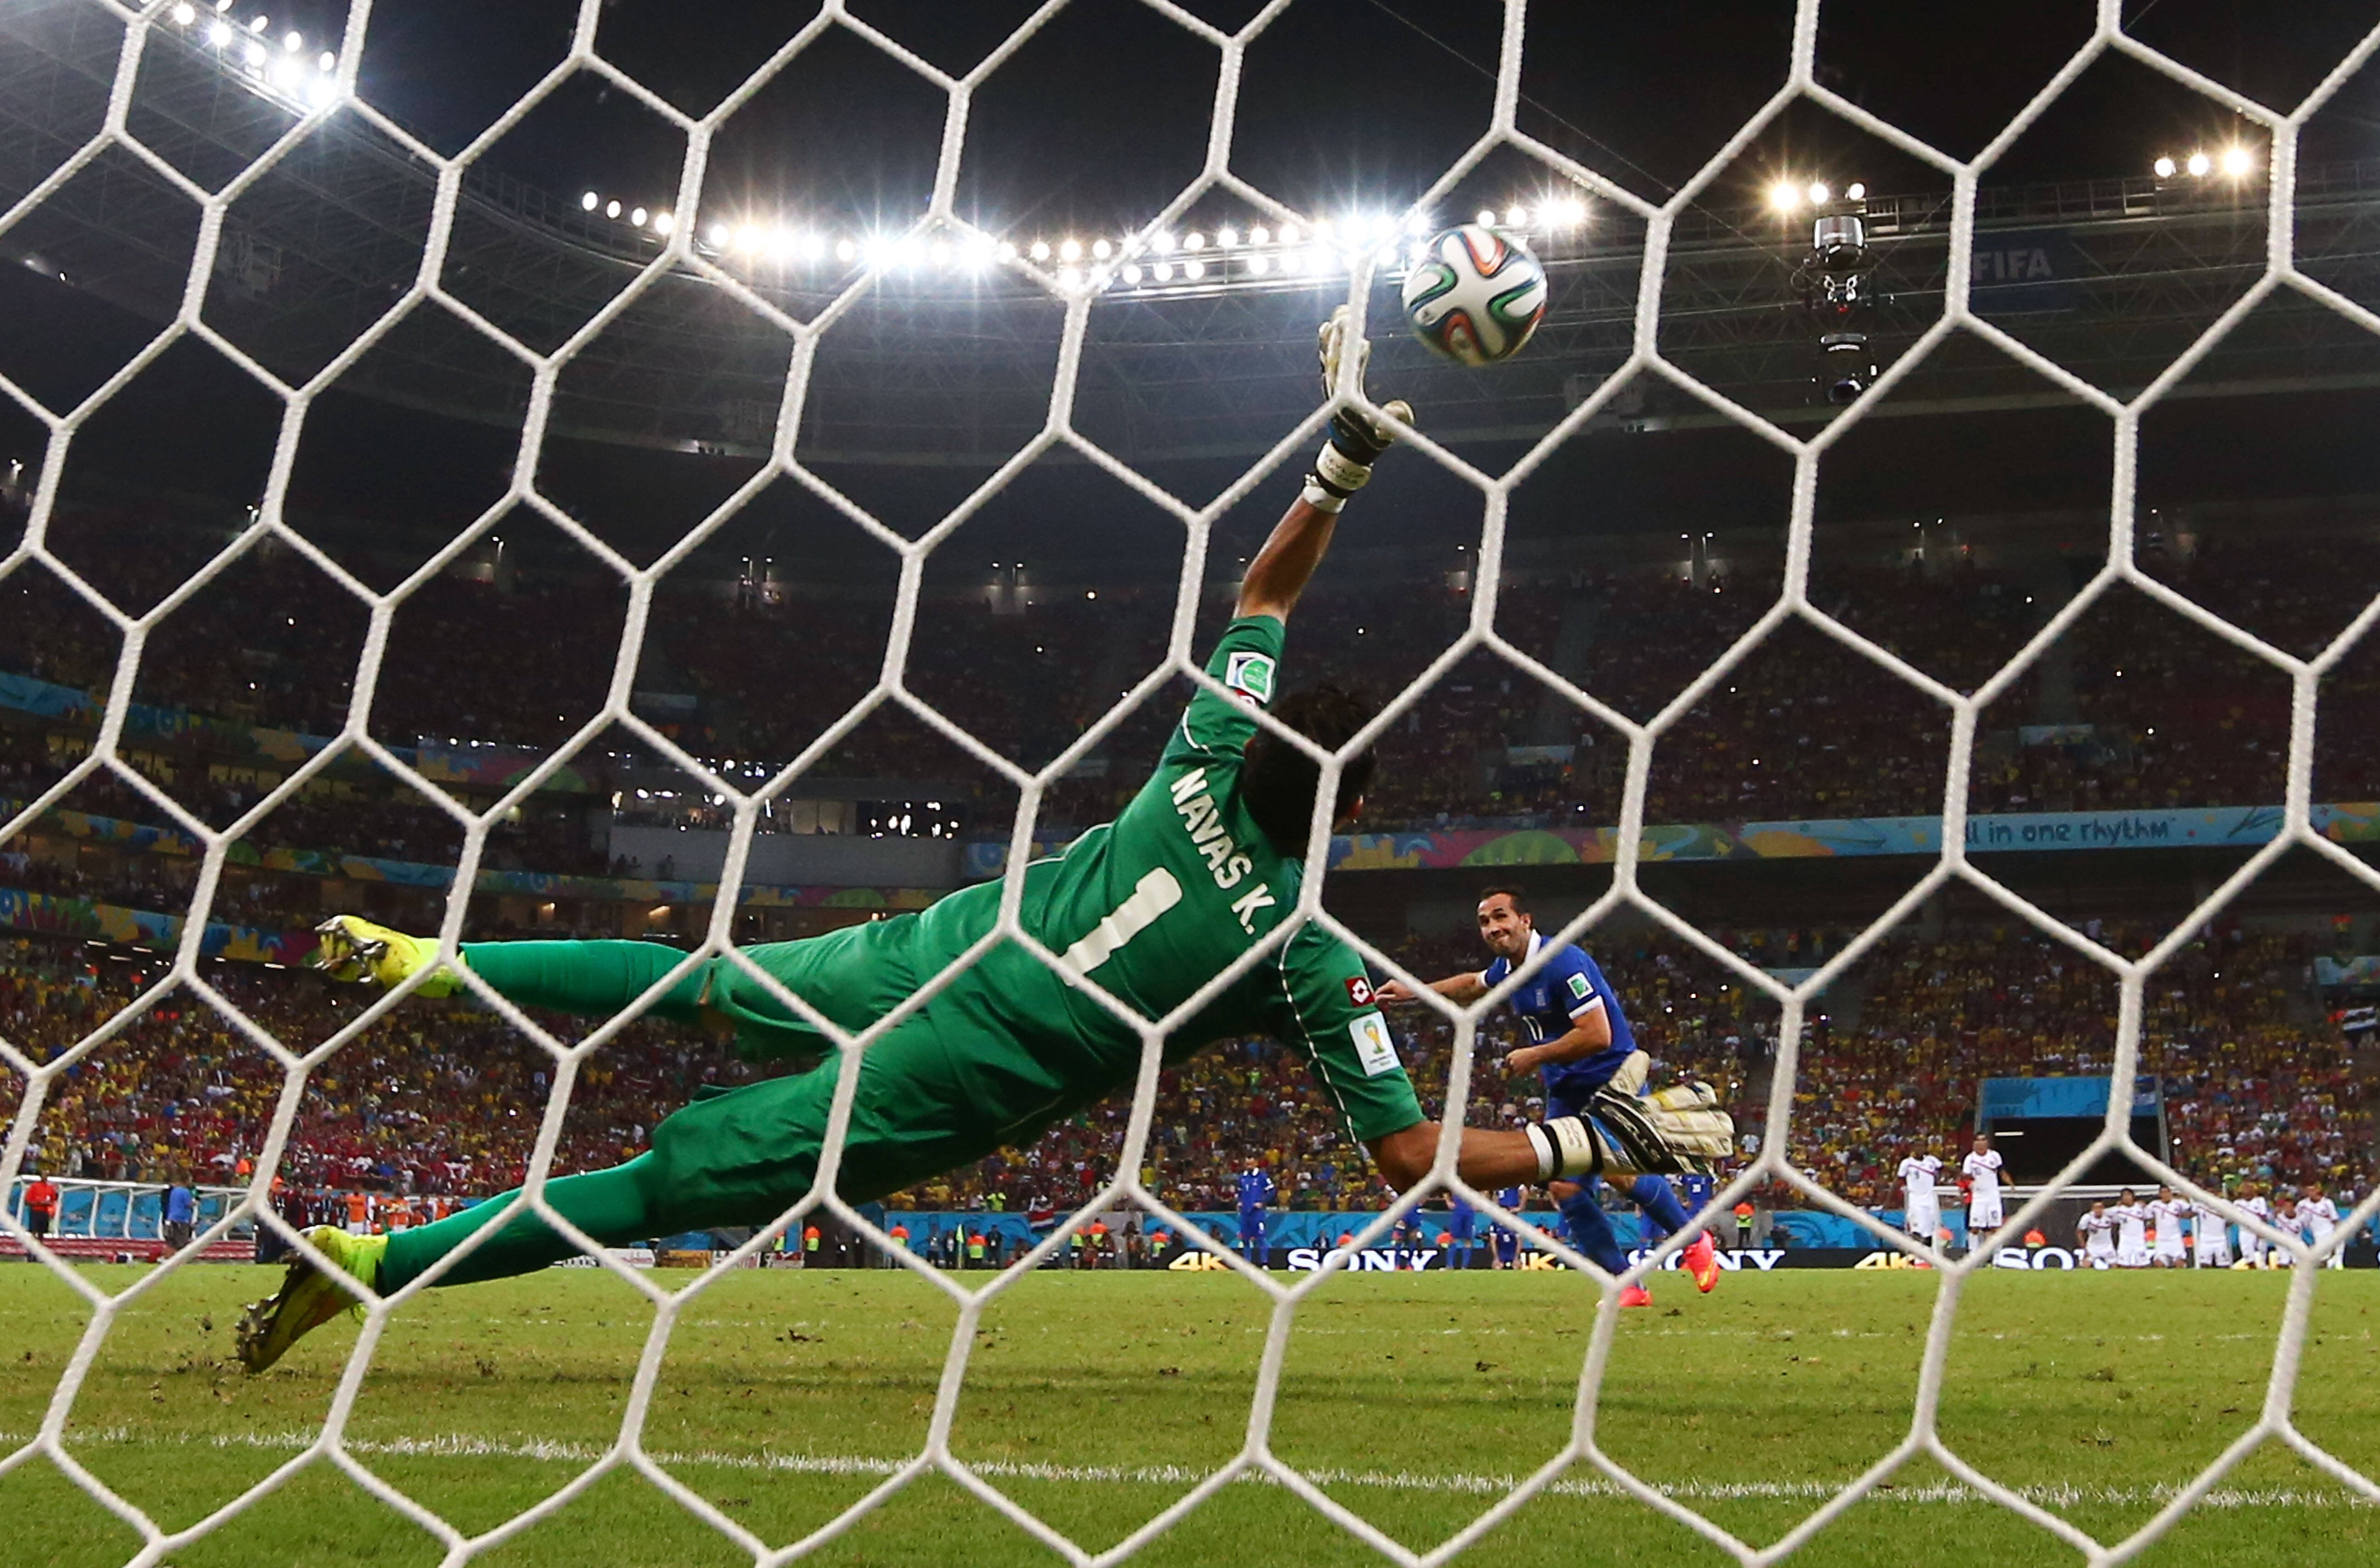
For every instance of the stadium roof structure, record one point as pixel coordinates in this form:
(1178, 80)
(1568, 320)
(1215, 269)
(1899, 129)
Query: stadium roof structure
(935, 369)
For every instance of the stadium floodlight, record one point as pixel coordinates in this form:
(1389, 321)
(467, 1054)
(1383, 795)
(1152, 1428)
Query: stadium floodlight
(1163, 243)
(1039, 250)
(1820, 194)
(588, 202)
(1162, 272)
(323, 92)
(1070, 277)
(2238, 162)
(664, 223)
(1855, 191)
(1259, 236)
(1101, 250)
(1227, 236)
(255, 52)
(1486, 218)
(1070, 249)
(1785, 196)
(636, 218)
(1194, 240)
(612, 209)
(1259, 265)
(1007, 250)
(941, 252)
(1418, 222)
(1569, 213)
(719, 236)
(184, 14)
(258, 24)
(1194, 270)
(2165, 168)
(293, 41)
(748, 239)
(1131, 275)
(219, 34)
(1517, 216)
(328, 62)
(2200, 164)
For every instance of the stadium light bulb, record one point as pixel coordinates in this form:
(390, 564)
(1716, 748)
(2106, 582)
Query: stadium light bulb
(258, 24)
(2199, 164)
(293, 41)
(1041, 251)
(184, 14)
(1070, 251)
(1194, 240)
(1259, 265)
(323, 92)
(907, 252)
(283, 74)
(1227, 236)
(1289, 234)
(719, 236)
(1194, 270)
(941, 251)
(2165, 168)
(636, 218)
(612, 209)
(1486, 218)
(1162, 272)
(2238, 162)
(781, 245)
(1007, 250)
(1162, 243)
(587, 204)
(1101, 250)
(1784, 196)
(1131, 275)
(1855, 191)
(748, 239)
(219, 34)
(1517, 216)
(1260, 236)
(255, 53)
(1070, 277)
(1417, 222)
(1569, 213)
(327, 61)
(664, 223)
(1820, 194)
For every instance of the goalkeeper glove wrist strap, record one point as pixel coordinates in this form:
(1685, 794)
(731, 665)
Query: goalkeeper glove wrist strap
(1566, 1146)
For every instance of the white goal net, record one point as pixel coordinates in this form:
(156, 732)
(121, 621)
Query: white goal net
(1080, 289)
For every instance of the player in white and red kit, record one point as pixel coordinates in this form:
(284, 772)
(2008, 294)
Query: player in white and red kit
(2253, 1248)
(1982, 1169)
(1923, 1213)
(2211, 1234)
(2169, 1212)
(2317, 1217)
(2132, 1217)
(2096, 1231)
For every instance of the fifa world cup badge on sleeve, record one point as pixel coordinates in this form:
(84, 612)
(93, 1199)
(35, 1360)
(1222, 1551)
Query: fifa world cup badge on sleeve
(1373, 1047)
(1250, 674)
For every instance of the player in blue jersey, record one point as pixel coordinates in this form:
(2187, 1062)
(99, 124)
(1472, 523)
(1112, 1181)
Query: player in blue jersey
(1505, 1245)
(1581, 1044)
(1256, 1193)
(1462, 1223)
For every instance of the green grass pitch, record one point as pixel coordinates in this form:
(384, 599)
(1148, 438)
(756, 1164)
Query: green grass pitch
(1096, 1400)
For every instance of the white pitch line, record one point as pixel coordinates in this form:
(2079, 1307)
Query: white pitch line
(460, 1446)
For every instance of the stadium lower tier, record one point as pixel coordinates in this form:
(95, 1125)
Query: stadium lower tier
(444, 1099)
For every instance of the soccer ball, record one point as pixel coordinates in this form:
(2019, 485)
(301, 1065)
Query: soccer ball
(1475, 296)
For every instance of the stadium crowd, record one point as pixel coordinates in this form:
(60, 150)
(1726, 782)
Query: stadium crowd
(445, 1100)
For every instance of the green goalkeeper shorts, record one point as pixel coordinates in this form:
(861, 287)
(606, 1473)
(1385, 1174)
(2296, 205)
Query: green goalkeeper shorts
(941, 1089)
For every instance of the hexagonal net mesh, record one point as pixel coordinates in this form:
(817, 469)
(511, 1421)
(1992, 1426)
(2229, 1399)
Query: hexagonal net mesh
(682, 257)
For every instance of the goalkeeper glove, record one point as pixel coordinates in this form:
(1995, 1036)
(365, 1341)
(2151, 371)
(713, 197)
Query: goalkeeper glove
(1344, 463)
(1677, 1131)
(352, 948)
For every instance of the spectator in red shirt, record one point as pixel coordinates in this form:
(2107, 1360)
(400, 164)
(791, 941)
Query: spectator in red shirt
(41, 1206)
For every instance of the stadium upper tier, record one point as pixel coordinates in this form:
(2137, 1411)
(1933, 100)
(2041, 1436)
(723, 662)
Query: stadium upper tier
(939, 364)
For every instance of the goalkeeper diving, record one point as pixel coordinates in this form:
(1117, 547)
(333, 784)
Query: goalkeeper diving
(1203, 864)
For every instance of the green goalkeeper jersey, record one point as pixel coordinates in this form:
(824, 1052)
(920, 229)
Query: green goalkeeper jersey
(1150, 908)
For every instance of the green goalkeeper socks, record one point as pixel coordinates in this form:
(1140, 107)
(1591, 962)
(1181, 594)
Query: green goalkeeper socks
(593, 978)
(623, 1204)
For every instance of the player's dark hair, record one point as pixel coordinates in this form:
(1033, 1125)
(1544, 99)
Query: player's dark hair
(1278, 782)
(1519, 899)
